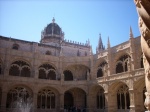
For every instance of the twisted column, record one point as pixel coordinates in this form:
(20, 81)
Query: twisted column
(143, 9)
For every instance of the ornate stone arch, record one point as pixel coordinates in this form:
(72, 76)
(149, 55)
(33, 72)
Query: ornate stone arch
(47, 71)
(98, 96)
(20, 68)
(18, 96)
(47, 98)
(102, 69)
(123, 63)
(120, 92)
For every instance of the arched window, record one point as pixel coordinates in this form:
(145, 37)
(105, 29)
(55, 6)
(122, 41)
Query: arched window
(68, 75)
(48, 53)
(47, 71)
(123, 64)
(123, 99)
(100, 72)
(119, 68)
(100, 99)
(46, 99)
(19, 97)
(15, 46)
(20, 68)
(102, 69)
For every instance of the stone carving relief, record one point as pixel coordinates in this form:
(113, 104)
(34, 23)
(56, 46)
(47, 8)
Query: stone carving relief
(143, 9)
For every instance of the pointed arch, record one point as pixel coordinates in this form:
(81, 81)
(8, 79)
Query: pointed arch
(102, 69)
(100, 99)
(123, 97)
(46, 99)
(123, 64)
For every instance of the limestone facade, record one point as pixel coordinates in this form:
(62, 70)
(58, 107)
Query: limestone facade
(59, 74)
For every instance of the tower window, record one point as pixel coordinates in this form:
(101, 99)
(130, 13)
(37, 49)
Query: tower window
(15, 46)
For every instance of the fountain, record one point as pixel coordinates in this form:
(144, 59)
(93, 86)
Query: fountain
(22, 103)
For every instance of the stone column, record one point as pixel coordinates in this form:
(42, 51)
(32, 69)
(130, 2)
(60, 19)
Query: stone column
(143, 9)
(61, 101)
(87, 101)
(35, 65)
(132, 100)
(34, 101)
(106, 101)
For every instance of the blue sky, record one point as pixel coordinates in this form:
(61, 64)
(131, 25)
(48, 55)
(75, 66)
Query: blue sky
(79, 19)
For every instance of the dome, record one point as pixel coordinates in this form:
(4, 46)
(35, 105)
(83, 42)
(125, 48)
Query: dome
(53, 28)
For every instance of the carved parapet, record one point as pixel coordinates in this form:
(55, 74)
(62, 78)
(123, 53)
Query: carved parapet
(143, 9)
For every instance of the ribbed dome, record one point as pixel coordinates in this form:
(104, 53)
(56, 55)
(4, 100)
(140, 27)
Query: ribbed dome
(53, 28)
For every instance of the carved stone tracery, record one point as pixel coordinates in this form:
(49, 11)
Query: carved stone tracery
(144, 26)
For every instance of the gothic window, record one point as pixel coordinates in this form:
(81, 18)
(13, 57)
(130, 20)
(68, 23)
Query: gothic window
(15, 46)
(123, 64)
(100, 99)
(48, 53)
(123, 98)
(142, 65)
(68, 75)
(119, 67)
(47, 71)
(102, 69)
(46, 99)
(18, 97)
(20, 68)
(100, 72)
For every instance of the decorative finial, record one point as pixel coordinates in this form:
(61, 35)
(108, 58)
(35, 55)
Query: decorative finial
(108, 43)
(131, 34)
(53, 20)
(100, 44)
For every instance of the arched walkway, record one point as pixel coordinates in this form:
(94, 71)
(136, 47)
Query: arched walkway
(97, 98)
(119, 97)
(75, 98)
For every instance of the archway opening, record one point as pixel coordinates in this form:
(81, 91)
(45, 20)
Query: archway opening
(75, 98)
(68, 100)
